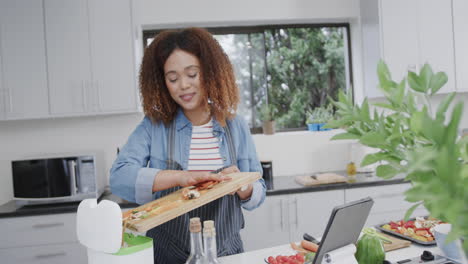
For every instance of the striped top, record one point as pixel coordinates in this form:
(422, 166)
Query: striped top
(204, 149)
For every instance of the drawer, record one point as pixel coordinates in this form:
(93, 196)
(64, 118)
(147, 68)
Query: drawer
(386, 198)
(38, 230)
(73, 253)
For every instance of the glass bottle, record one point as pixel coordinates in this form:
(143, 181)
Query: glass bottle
(209, 240)
(196, 246)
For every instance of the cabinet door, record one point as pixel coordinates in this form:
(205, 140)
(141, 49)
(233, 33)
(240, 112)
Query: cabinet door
(267, 225)
(460, 21)
(38, 230)
(436, 38)
(399, 36)
(389, 202)
(112, 55)
(311, 211)
(68, 51)
(73, 253)
(22, 47)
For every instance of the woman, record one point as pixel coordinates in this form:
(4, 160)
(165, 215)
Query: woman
(190, 130)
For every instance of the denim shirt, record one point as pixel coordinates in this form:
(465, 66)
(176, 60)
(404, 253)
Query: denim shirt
(145, 154)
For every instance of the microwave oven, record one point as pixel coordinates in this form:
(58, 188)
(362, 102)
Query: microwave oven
(55, 179)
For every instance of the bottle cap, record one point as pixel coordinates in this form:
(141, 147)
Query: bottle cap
(195, 225)
(209, 228)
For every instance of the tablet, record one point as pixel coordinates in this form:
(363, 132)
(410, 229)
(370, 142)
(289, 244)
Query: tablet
(344, 226)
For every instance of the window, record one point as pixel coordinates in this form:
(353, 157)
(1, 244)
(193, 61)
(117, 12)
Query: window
(291, 68)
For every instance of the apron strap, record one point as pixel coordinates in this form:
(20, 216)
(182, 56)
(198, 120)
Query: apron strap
(230, 141)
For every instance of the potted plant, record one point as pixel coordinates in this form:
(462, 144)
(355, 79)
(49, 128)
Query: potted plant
(318, 117)
(415, 140)
(267, 115)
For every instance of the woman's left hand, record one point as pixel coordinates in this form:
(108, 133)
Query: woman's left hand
(246, 191)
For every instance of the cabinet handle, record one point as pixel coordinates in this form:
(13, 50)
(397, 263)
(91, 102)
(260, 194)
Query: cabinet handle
(84, 93)
(49, 225)
(8, 101)
(51, 255)
(98, 96)
(297, 218)
(281, 214)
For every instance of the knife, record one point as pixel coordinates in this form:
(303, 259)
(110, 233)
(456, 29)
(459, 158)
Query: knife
(310, 238)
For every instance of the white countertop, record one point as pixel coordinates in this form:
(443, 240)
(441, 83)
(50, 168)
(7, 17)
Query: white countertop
(258, 256)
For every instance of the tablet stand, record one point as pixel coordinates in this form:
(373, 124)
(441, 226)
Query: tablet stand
(342, 255)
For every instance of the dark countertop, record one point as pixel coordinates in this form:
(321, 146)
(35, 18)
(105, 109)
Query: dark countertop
(281, 185)
(10, 209)
(288, 185)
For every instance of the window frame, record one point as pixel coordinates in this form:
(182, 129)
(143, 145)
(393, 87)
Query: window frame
(224, 30)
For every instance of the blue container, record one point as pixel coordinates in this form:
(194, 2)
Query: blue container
(313, 127)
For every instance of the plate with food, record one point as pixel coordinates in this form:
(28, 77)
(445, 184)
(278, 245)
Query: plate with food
(419, 230)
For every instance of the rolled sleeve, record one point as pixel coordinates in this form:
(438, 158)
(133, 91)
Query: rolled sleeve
(257, 197)
(144, 185)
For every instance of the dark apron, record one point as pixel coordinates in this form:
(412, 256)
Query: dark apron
(172, 239)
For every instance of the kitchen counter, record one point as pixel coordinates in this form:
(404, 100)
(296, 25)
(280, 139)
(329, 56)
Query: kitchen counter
(10, 209)
(288, 185)
(258, 256)
(281, 185)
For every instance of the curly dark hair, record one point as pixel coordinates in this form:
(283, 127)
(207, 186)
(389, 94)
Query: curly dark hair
(221, 94)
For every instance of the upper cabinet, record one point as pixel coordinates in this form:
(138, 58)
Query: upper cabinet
(460, 21)
(66, 58)
(410, 34)
(22, 51)
(114, 78)
(69, 58)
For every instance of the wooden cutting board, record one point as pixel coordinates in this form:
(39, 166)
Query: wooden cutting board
(396, 243)
(173, 205)
(321, 178)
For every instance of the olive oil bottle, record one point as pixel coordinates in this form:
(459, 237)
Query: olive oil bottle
(196, 246)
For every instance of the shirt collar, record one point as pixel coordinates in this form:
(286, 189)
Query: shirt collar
(182, 121)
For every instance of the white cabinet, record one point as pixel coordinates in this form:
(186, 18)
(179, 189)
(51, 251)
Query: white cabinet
(22, 47)
(41, 239)
(66, 58)
(267, 225)
(410, 33)
(285, 218)
(112, 57)
(389, 202)
(460, 21)
(312, 211)
(68, 54)
(73, 253)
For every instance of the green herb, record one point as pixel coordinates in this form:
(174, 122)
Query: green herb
(415, 140)
(320, 115)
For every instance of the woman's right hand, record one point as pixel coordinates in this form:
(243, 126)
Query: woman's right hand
(189, 178)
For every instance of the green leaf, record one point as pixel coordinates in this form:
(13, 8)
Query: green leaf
(387, 106)
(372, 158)
(452, 128)
(443, 106)
(373, 139)
(425, 76)
(416, 122)
(437, 81)
(410, 211)
(386, 171)
(365, 115)
(414, 82)
(382, 72)
(345, 136)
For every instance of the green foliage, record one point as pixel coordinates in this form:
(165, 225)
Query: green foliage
(320, 114)
(415, 142)
(304, 67)
(268, 112)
